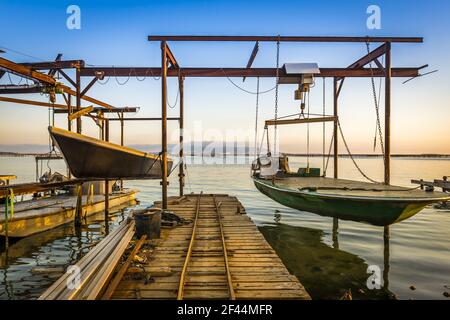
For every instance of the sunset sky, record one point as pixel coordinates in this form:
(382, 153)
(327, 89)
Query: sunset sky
(115, 34)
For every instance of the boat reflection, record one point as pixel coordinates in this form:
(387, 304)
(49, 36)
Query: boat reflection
(326, 272)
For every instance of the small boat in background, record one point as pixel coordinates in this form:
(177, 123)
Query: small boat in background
(88, 157)
(306, 190)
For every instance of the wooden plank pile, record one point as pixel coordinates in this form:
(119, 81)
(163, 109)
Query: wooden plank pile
(88, 278)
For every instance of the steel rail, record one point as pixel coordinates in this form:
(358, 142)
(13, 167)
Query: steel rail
(189, 252)
(225, 253)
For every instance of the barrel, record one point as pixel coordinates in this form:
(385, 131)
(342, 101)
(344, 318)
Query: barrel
(148, 222)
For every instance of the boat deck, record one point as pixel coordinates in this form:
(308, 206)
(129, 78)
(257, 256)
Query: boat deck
(342, 187)
(37, 215)
(225, 257)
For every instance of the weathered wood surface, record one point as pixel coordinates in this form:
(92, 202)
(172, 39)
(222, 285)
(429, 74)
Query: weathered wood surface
(256, 270)
(37, 215)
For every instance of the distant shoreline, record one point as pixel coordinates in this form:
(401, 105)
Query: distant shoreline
(362, 155)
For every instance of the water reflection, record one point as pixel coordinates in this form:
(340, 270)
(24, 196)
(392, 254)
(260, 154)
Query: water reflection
(32, 264)
(326, 272)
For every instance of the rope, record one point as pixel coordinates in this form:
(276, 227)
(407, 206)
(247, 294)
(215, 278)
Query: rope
(255, 150)
(245, 90)
(328, 157)
(351, 156)
(276, 97)
(187, 177)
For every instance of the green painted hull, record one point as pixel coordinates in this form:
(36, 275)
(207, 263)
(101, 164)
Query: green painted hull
(375, 211)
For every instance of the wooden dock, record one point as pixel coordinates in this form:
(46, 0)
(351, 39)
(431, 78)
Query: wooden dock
(220, 254)
(37, 215)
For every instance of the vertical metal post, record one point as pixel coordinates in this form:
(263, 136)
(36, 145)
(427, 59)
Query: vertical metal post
(78, 100)
(181, 122)
(69, 112)
(121, 140)
(164, 122)
(387, 117)
(335, 127)
(106, 121)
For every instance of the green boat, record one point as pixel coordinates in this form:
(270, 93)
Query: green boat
(376, 204)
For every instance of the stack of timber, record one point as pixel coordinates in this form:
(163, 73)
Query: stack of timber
(89, 277)
(220, 255)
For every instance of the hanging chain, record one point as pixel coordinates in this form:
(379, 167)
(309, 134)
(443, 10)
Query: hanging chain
(276, 97)
(377, 109)
(255, 150)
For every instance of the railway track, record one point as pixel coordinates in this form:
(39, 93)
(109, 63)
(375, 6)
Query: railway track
(207, 243)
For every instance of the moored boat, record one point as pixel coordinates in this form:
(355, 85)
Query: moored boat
(376, 204)
(88, 157)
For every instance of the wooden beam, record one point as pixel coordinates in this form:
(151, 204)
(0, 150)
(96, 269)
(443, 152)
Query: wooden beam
(285, 38)
(80, 113)
(123, 269)
(295, 121)
(33, 103)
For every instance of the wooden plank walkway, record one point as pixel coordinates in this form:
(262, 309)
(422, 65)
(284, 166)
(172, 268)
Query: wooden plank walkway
(252, 271)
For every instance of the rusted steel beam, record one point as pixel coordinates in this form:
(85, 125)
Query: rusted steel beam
(252, 57)
(20, 89)
(171, 58)
(33, 103)
(103, 110)
(52, 72)
(143, 119)
(90, 84)
(65, 64)
(295, 121)
(285, 38)
(46, 79)
(67, 78)
(26, 72)
(373, 55)
(242, 72)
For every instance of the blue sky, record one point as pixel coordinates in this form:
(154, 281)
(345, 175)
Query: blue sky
(115, 33)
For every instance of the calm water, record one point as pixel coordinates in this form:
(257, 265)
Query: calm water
(327, 262)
